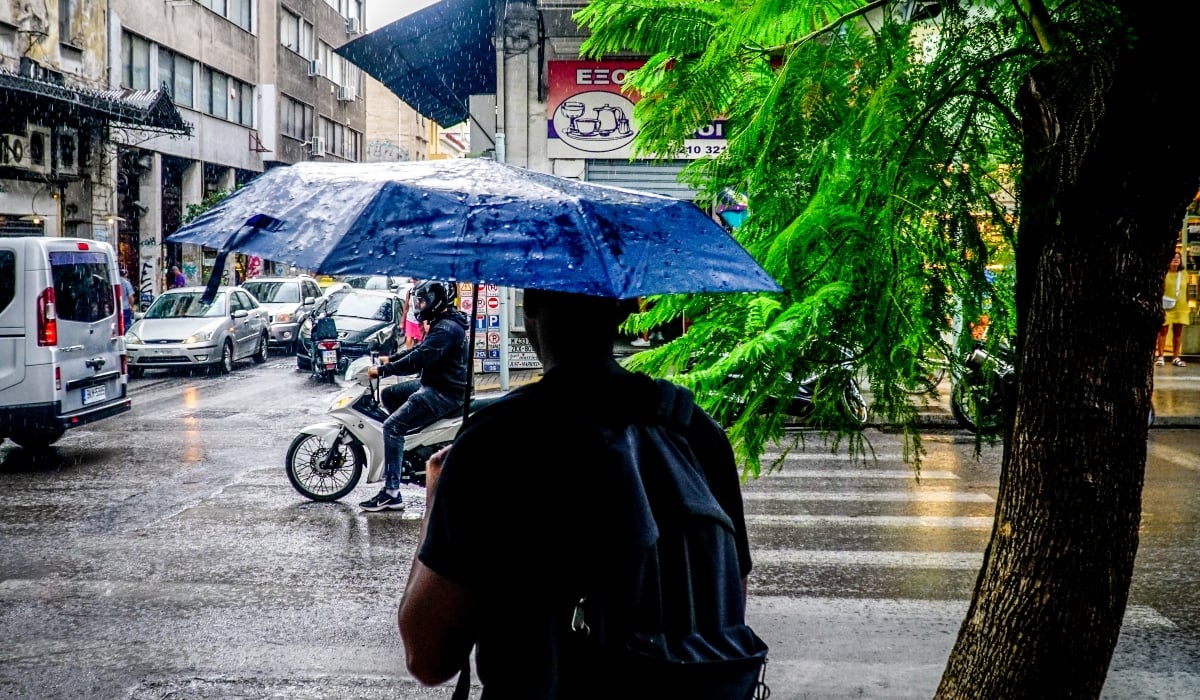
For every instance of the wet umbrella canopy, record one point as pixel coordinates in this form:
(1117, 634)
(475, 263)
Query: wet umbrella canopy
(481, 221)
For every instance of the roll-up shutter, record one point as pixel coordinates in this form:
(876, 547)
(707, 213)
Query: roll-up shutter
(648, 176)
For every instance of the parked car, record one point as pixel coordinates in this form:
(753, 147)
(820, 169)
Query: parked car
(384, 282)
(62, 359)
(288, 300)
(362, 317)
(180, 331)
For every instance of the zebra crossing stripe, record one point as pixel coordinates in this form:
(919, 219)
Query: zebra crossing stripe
(966, 522)
(966, 561)
(887, 496)
(852, 473)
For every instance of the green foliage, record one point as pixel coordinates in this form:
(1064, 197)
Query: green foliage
(210, 201)
(879, 159)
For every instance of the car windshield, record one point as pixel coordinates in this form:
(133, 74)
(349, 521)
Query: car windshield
(361, 306)
(274, 292)
(187, 305)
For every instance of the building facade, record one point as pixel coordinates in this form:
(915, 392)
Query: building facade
(119, 116)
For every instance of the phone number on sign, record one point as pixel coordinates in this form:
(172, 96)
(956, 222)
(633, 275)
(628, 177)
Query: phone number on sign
(707, 150)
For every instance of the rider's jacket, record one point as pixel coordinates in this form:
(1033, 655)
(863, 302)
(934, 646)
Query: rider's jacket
(440, 357)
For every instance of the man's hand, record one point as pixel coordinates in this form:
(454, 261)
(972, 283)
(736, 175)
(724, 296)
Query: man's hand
(384, 359)
(433, 470)
(373, 373)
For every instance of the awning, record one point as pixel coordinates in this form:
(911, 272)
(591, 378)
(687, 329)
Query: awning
(145, 110)
(433, 59)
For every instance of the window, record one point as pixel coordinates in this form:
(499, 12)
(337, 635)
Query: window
(289, 30)
(246, 99)
(236, 11)
(135, 62)
(205, 93)
(8, 278)
(66, 13)
(82, 290)
(183, 80)
(296, 34)
(166, 70)
(295, 119)
(220, 94)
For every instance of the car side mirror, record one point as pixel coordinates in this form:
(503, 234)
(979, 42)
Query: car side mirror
(240, 313)
(309, 301)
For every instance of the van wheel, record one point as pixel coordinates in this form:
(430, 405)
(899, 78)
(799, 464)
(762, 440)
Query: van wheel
(260, 355)
(136, 372)
(225, 364)
(37, 439)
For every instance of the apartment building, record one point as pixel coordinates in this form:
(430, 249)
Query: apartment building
(116, 116)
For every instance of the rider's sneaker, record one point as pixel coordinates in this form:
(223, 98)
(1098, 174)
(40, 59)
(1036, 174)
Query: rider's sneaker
(382, 501)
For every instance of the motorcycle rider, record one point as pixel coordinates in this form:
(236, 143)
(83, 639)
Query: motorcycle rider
(441, 359)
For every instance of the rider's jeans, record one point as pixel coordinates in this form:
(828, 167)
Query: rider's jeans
(420, 406)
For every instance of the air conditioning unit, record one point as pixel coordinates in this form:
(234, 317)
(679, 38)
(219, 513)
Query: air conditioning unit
(316, 147)
(347, 93)
(40, 148)
(315, 67)
(353, 26)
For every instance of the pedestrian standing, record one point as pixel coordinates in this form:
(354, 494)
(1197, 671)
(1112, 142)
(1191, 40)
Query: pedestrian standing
(1176, 312)
(175, 278)
(508, 537)
(127, 293)
(413, 329)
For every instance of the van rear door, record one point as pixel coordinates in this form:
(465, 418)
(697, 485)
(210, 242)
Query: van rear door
(85, 303)
(12, 313)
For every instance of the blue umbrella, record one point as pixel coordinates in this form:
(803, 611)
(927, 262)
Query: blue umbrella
(481, 221)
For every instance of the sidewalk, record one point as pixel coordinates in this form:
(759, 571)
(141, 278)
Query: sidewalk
(1176, 393)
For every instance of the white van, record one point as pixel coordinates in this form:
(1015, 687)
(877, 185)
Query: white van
(62, 345)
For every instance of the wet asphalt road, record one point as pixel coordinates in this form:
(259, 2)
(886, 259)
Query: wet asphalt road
(163, 554)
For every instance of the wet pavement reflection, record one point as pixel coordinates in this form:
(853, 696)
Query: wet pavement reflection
(163, 554)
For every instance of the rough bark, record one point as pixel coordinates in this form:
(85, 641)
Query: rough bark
(1110, 165)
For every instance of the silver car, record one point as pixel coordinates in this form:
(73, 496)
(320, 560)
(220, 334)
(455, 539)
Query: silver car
(288, 300)
(179, 331)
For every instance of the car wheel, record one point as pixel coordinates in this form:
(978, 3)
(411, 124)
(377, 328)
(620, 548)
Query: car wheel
(260, 355)
(136, 372)
(225, 364)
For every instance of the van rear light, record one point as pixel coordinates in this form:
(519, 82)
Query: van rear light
(47, 319)
(124, 364)
(81, 245)
(120, 311)
(57, 378)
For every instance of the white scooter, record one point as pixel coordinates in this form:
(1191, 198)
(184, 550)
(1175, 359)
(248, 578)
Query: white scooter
(326, 460)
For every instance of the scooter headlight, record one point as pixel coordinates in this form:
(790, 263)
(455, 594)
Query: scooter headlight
(341, 403)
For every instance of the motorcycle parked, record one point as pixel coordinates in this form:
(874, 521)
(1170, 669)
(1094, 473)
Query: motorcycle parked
(979, 393)
(326, 460)
(326, 349)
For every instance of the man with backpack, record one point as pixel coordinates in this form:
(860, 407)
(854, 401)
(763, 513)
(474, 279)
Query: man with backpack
(586, 533)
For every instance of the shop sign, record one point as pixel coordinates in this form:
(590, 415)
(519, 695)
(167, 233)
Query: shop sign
(521, 354)
(589, 117)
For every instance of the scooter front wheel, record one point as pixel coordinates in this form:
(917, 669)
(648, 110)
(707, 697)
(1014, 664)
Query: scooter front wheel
(309, 474)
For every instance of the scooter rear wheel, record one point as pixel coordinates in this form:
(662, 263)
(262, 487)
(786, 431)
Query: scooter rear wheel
(305, 471)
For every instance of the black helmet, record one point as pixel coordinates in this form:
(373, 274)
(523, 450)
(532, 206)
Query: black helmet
(437, 296)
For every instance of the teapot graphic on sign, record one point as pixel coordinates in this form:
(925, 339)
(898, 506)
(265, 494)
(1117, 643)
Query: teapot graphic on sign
(609, 120)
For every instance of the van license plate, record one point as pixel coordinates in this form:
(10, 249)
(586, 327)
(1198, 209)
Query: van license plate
(92, 394)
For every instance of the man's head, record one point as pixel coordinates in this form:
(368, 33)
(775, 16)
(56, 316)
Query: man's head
(570, 327)
(175, 268)
(434, 298)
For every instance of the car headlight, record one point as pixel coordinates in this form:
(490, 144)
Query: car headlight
(131, 337)
(199, 337)
(284, 318)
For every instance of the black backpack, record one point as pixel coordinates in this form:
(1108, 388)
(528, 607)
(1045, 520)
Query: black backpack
(670, 623)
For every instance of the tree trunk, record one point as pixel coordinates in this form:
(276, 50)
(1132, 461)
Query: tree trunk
(1109, 167)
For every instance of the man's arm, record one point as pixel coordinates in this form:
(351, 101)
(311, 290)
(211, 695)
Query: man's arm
(436, 343)
(437, 615)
